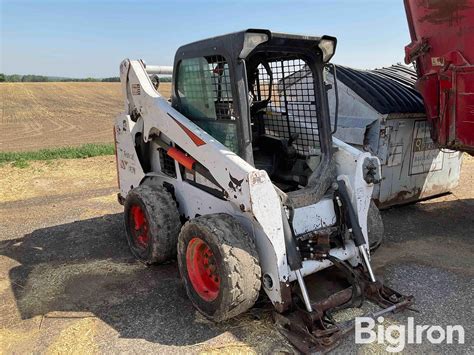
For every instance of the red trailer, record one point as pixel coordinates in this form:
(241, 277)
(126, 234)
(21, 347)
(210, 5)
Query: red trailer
(442, 34)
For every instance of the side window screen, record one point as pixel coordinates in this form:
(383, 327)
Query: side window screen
(291, 109)
(205, 96)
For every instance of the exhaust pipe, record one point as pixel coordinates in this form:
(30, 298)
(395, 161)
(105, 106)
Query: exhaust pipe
(159, 69)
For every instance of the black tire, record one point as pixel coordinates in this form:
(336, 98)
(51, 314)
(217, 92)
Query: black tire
(235, 262)
(161, 224)
(375, 228)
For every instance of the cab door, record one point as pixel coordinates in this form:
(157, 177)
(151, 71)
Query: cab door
(203, 91)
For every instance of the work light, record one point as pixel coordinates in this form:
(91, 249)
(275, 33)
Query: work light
(252, 40)
(327, 46)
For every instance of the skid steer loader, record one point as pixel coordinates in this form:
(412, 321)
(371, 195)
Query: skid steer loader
(239, 178)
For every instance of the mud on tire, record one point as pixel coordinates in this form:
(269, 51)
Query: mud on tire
(152, 224)
(233, 283)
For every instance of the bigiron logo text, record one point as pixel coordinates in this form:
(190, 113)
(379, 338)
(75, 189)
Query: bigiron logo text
(398, 335)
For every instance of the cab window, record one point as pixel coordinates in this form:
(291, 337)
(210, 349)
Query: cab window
(205, 96)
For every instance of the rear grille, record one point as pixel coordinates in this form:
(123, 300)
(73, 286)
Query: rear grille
(167, 164)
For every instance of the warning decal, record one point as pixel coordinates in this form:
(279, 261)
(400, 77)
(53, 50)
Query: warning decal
(425, 156)
(136, 89)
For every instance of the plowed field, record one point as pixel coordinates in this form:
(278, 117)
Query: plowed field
(46, 115)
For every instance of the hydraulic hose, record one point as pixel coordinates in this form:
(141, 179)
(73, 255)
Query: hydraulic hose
(359, 239)
(353, 221)
(292, 253)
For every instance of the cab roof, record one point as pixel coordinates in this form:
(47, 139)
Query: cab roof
(231, 44)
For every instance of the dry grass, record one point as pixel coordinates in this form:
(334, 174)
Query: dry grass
(46, 178)
(165, 89)
(12, 339)
(45, 115)
(255, 336)
(78, 339)
(47, 282)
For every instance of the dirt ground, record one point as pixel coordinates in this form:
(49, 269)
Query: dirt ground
(68, 283)
(45, 115)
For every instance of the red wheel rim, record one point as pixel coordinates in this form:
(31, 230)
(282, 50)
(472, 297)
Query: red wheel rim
(139, 227)
(202, 269)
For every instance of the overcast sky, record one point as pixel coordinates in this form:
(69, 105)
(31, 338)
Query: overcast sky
(78, 38)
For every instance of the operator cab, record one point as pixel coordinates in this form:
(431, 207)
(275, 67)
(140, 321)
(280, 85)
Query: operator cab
(262, 95)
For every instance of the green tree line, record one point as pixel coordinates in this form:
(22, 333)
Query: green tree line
(30, 78)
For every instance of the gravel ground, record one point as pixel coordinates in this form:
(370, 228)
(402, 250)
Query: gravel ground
(69, 284)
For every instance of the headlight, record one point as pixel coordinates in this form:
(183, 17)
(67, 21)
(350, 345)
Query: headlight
(252, 40)
(327, 46)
